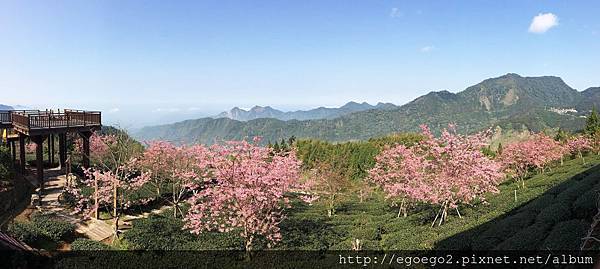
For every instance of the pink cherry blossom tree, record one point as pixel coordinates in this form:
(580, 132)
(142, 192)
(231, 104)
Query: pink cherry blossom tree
(109, 190)
(180, 168)
(324, 183)
(537, 152)
(245, 192)
(578, 145)
(395, 167)
(111, 182)
(100, 148)
(446, 171)
(30, 148)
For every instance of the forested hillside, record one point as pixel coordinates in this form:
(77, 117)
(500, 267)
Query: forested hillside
(510, 101)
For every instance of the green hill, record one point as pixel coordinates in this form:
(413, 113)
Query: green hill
(510, 101)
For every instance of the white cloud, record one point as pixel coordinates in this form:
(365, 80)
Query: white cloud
(396, 13)
(114, 110)
(427, 49)
(542, 23)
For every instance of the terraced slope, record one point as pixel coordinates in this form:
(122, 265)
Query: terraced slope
(552, 212)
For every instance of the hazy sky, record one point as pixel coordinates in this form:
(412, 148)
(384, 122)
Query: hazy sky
(205, 56)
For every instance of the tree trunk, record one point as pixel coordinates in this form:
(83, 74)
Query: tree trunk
(116, 226)
(402, 209)
(115, 211)
(444, 213)
(331, 210)
(96, 213)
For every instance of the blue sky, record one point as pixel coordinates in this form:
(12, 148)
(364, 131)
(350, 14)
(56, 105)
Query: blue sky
(206, 56)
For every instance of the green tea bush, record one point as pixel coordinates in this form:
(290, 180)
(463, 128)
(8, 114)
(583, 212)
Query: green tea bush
(574, 191)
(88, 244)
(566, 235)
(305, 234)
(56, 230)
(158, 233)
(502, 229)
(554, 213)
(25, 231)
(526, 239)
(585, 206)
(216, 241)
(539, 204)
(366, 233)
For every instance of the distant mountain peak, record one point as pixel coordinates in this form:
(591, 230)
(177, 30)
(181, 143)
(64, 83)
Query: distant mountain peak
(257, 112)
(508, 101)
(512, 75)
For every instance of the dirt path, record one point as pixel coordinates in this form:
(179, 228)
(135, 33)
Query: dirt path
(53, 188)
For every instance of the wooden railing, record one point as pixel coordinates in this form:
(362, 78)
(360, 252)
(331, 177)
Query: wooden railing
(28, 120)
(5, 117)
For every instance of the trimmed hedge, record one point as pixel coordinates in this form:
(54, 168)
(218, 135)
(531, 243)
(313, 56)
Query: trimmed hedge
(158, 233)
(566, 235)
(41, 227)
(25, 231)
(554, 213)
(216, 241)
(56, 230)
(88, 244)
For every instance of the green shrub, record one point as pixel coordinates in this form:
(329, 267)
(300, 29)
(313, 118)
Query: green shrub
(554, 213)
(6, 170)
(566, 235)
(216, 241)
(366, 233)
(25, 231)
(56, 230)
(88, 244)
(503, 229)
(539, 203)
(585, 206)
(308, 234)
(526, 239)
(158, 233)
(574, 191)
(343, 245)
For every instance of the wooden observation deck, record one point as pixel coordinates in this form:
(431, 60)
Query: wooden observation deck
(39, 125)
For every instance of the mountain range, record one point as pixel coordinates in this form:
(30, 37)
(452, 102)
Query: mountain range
(510, 101)
(5, 107)
(258, 112)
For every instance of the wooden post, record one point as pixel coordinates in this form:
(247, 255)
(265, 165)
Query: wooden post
(22, 152)
(86, 148)
(13, 150)
(62, 149)
(51, 149)
(39, 153)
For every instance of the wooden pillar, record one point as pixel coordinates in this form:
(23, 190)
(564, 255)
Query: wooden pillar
(13, 150)
(51, 149)
(39, 154)
(22, 152)
(86, 148)
(62, 149)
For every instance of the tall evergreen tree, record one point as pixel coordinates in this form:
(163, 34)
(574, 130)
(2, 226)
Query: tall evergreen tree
(592, 124)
